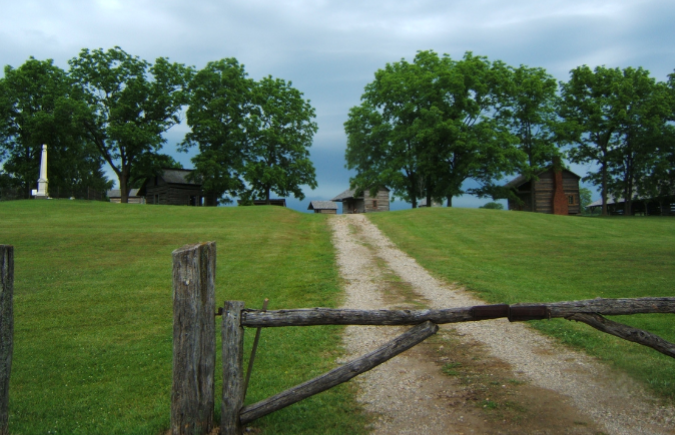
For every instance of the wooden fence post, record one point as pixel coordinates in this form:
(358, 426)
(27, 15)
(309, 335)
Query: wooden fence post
(194, 339)
(6, 330)
(233, 368)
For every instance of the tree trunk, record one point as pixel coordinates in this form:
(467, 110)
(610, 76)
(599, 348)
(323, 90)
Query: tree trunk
(124, 191)
(267, 195)
(449, 203)
(604, 189)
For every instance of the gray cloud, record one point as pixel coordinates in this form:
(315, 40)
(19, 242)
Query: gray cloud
(330, 49)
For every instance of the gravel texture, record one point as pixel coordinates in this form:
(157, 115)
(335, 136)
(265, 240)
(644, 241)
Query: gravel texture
(401, 392)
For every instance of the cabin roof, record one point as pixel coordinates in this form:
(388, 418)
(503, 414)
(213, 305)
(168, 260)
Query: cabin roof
(177, 176)
(322, 205)
(522, 179)
(117, 193)
(349, 194)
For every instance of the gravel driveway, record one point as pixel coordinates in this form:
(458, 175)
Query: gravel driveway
(411, 395)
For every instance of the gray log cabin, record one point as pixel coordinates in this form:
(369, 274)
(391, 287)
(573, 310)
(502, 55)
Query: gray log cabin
(172, 187)
(361, 201)
(323, 207)
(552, 192)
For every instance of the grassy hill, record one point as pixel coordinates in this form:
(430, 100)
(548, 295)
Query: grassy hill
(509, 257)
(93, 312)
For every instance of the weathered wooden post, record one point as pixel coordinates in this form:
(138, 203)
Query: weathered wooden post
(194, 339)
(233, 368)
(6, 330)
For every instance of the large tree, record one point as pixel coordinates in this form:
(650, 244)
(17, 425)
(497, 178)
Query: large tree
(424, 128)
(612, 117)
(39, 105)
(659, 180)
(131, 104)
(220, 105)
(280, 130)
(637, 150)
(532, 116)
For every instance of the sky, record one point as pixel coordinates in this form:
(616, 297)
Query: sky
(330, 50)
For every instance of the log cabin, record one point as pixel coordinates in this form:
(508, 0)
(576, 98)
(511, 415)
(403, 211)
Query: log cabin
(550, 191)
(361, 201)
(115, 195)
(173, 187)
(323, 207)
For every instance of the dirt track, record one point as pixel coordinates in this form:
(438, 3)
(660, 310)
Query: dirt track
(484, 377)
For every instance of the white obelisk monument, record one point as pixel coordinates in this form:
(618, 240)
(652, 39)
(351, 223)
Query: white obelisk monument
(41, 192)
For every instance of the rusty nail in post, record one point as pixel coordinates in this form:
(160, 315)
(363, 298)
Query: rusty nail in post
(255, 347)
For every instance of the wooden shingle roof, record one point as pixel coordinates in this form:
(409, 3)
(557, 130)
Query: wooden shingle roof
(322, 205)
(522, 179)
(351, 193)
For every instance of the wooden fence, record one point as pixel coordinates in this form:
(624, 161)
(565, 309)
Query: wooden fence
(194, 340)
(6, 329)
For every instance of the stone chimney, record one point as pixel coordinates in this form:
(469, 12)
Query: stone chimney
(560, 204)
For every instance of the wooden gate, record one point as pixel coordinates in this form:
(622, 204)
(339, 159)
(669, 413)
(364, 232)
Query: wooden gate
(192, 402)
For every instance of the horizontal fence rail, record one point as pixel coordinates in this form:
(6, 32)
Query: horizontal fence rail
(517, 312)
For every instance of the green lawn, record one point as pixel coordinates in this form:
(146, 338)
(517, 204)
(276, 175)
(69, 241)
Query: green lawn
(93, 312)
(509, 257)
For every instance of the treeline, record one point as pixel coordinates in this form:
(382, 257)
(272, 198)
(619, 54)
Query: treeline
(253, 136)
(425, 127)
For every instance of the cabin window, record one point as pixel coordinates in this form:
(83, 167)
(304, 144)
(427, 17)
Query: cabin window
(572, 199)
(374, 203)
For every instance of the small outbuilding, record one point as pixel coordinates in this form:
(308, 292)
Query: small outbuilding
(660, 206)
(423, 203)
(551, 191)
(115, 195)
(323, 207)
(361, 201)
(174, 187)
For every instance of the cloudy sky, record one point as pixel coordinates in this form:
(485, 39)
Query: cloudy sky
(330, 49)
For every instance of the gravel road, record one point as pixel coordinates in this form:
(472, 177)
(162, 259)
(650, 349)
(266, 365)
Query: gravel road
(403, 393)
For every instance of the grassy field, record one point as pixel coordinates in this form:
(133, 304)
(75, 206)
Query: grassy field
(93, 312)
(509, 257)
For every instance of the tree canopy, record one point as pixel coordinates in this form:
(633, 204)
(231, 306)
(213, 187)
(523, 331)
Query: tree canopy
(39, 105)
(615, 118)
(131, 103)
(253, 137)
(281, 129)
(423, 128)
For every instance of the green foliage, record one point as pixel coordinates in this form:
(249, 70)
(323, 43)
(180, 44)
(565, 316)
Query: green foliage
(533, 116)
(281, 130)
(253, 137)
(131, 103)
(423, 128)
(615, 118)
(39, 105)
(219, 105)
(585, 198)
(150, 165)
(532, 257)
(93, 310)
(493, 206)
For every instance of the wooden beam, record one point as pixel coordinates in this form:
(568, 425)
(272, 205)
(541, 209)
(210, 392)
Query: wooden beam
(339, 375)
(233, 368)
(329, 316)
(6, 330)
(626, 332)
(194, 339)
